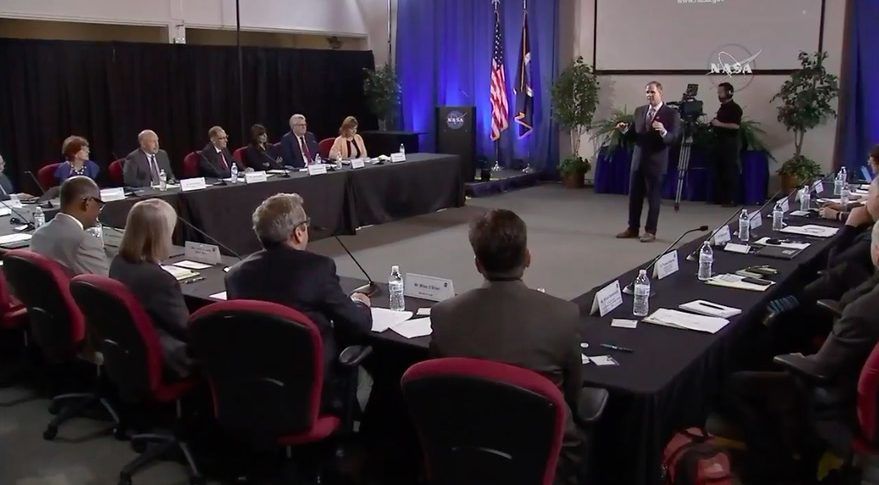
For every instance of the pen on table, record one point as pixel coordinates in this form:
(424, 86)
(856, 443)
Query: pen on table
(193, 280)
(617, 347)
(711, 305)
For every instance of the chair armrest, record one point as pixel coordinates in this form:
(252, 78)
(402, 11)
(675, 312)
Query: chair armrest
(353, 355)
(831, 306)
(802, 367)
(591, 405)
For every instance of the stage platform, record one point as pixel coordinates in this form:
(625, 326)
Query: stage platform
(502, 181)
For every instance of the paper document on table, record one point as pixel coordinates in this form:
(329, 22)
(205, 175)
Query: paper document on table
(5, 211)
(418, 327)
(790, 245)
(11, 238)
(686, 321)
(219, 296)
(735, 281)
(191, 264)
(811, 230)
(710, 309)
(179, 273)
(383, 319)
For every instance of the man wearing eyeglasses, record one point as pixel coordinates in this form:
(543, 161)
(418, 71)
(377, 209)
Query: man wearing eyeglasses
(298, 146)
(215, 159)
(65, 238)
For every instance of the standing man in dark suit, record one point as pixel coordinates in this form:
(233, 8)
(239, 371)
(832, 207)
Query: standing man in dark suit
(508, 322)
(656, 127)
(142, 166)
(298, 146)
(215, 160)
(285, 273)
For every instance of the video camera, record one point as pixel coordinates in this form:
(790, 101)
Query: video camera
(689, 107)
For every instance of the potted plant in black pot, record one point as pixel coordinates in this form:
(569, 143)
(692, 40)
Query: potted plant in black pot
(574, 99)
(805, 103)
(382, 94)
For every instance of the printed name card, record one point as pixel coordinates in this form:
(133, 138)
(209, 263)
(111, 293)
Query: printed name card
(255, 177)
(818, 187)
(398, 157)
(195, 183)
(204, 253)
(108, 195)
(606, 299)
(721, 236)
(358, 163)
(428, 287)
(756, 220)
(785, 204)
(666, 265)
(317, 169)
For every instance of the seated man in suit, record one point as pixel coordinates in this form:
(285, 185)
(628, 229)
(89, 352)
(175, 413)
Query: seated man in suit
(770, 405)
(141, 167)
(215, 160)
(506, 321)
(65, 239)
(298, 146)
(284, 272)
(6, 188)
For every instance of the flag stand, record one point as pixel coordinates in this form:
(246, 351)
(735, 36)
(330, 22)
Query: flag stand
(497, 156)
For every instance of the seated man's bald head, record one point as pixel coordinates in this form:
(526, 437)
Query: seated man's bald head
(75, 189)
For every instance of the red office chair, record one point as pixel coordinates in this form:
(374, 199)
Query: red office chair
(115, 172)
(265, 365)
(13, 318)
(133, 360)
(238, 156)
(470, 416)
(57, 326)
(46, 175)
(324, 147)
(190, 165)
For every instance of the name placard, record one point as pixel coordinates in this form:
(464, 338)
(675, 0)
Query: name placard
(606, 299)
(666, 265)
(721, 236)
(756, 220)
(398, 157)
(13, 202)
(785, 204)
(203, 253)
(255, 177)
(108, 195)
(195, 183)
(317, 169)
(737, 248)
(358, 163)
(428, 287)
(818, 187)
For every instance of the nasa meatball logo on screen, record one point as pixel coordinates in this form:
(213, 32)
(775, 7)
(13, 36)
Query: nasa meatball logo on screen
(455, 120)
(732, 63)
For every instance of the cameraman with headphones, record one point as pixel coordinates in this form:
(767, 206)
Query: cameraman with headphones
(726, 156)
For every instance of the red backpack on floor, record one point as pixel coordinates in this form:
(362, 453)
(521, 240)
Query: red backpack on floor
(692, 458)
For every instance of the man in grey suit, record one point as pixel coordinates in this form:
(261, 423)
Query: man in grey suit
(656, 127)
(64, 238)
(506, 321)
(142, 166)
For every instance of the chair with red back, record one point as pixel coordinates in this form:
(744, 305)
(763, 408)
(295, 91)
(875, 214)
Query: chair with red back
(190, 165)
(238, 156)
(115, 171)
(264, 363)
(133, 360)
(469, 438)
(13, 318)
(324, 147)
(57, 326)
(46, 175)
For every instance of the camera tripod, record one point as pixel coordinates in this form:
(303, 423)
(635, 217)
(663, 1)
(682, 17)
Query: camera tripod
(684, 160)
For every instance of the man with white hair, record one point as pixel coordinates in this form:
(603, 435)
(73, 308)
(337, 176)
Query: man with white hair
(142, 166)
(298, 146)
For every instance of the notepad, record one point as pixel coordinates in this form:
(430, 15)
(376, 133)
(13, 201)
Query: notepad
(710, 309)
(11, 238)
(383, 319)
(785, 244)
(686, 321)
(735, 281)
(179, 273)
(811, 230)
(191, 264)
(5, 211)
(418, 327)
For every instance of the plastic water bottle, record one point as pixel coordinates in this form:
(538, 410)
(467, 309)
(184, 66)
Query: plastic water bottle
(163, 180)
(234, 171)
(777, 217)
(844, 195)
(844, 173)
(97, 231)
(805, 199)
(706, 258)
(39, 217)
(402, 149)
(395, 290)
(744, 226)
(641, 306)
(317, 159)
(838, 182)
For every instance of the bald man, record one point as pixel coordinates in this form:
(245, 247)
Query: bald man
(142, 166)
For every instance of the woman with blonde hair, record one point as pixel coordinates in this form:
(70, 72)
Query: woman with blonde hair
(348, 144)
(145, 244)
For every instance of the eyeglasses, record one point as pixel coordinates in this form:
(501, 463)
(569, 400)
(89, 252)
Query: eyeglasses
(307, 222)
(98, 201)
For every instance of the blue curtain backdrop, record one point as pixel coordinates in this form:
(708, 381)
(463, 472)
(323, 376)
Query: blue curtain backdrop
(444, 59)
(859, 120)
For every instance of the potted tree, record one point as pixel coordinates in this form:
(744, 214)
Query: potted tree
(382, 93)
(613, 152)
(805, 103)
(574, 99)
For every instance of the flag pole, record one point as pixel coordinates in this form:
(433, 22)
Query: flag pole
(497, 156)
(527, 168)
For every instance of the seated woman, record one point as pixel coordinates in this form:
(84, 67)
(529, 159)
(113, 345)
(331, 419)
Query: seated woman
(260, 154)
(145, 243)
(76, 154)
(348, 144)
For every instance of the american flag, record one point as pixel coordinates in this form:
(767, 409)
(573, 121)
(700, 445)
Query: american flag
(500, 119)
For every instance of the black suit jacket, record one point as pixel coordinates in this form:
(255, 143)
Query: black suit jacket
(651, 149)
(262, 159)
(306, 282)
(136, 168)
(161, 297)
(291, 151)
(210, 165)
(5, 187)
(848, 265)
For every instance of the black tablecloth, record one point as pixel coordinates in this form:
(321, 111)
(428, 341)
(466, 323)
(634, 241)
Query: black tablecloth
(387, 142)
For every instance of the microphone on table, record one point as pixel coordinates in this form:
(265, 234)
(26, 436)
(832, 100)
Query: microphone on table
(370, 289)
(43, 192)
(218, 182)
(630, 288)
(209, 237)
(19, 218)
